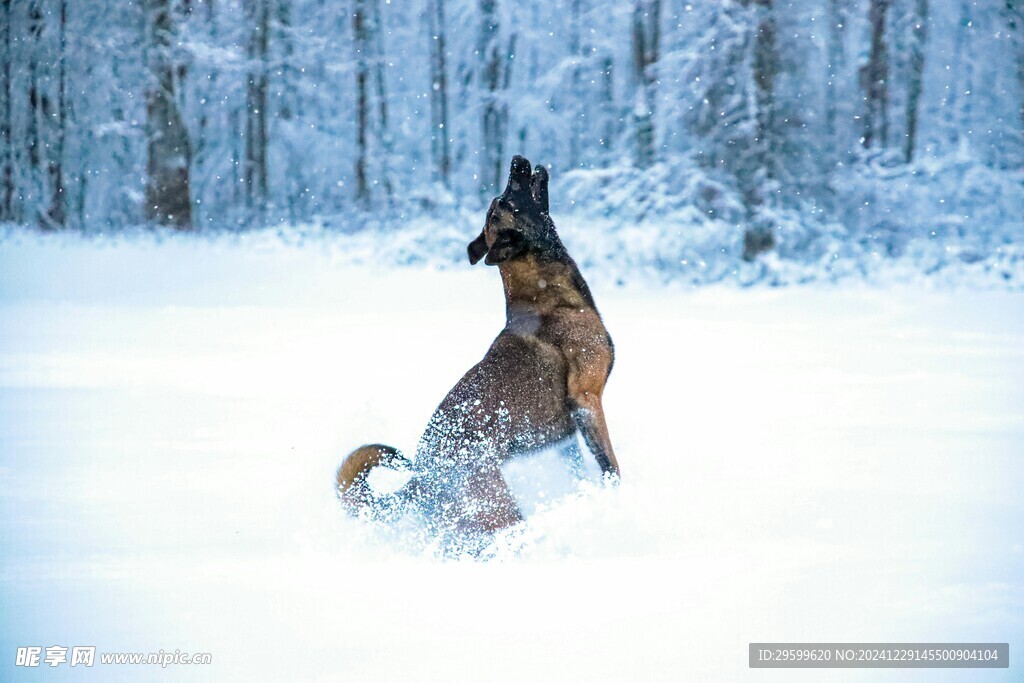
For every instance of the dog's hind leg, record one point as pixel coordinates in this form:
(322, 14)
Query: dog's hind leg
(490, 505)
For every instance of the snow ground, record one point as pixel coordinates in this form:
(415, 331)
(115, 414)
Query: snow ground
(800, 464)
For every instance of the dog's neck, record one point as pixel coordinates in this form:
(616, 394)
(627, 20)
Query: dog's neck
(534, 286)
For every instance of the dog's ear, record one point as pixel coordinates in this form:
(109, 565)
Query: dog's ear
(476, 249)
(508, 245)
(518, 175)
(539, 188)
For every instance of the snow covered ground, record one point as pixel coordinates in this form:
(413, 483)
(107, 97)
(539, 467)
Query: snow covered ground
(800, 464)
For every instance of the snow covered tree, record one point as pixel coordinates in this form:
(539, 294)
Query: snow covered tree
(368, 44)
(255, 163)
(758, 236)
(39, 188)
(7, 157)
(837, 13)
(961, 102)
(874, 77)
(167, 200)
(1014, 17)
(361, 41)
(247, 112)
(734, 108)
(578, 109)
(440, 126)
(495, 71)
(380, 84)
(39, 110)
(646, 48)
(915, 86)
(287, 75)
(56, 214)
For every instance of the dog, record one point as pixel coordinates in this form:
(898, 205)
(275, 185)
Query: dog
(540, 383)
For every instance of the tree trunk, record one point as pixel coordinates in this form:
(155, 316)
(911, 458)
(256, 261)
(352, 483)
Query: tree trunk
(205, 94)
(57, 213)
(609, 109)
(369, 47)
(766, 68)
(288, 105)
(256, 105)
(490, 173)
(964, 122)
(646, 47)
(6, 116)
(918, 38)
(236, 142)
(758, 236)
(496, 70)
(37, 101)
(875, 79)
(1015, 26)
(440, 131)
(359, 35)
(168, 151)
(577, 99)
(836, 60)
(383, 127)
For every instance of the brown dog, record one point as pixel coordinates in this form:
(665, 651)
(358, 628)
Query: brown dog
(539, 383)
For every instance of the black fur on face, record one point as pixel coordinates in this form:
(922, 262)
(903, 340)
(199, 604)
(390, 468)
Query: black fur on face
(518, 221)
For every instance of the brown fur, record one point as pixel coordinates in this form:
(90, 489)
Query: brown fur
(353, 489)
(540, 382)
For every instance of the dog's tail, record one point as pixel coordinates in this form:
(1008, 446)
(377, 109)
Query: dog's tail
(353, 489)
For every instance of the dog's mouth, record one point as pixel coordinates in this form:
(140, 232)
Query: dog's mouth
(508, 245)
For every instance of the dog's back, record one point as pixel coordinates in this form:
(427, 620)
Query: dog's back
(512, 400)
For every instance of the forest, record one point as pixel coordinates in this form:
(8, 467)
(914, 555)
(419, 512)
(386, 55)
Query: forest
(821, 132)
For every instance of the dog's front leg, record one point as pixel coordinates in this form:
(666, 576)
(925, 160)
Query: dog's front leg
(589, 418)
(589, 365)
(573, 456)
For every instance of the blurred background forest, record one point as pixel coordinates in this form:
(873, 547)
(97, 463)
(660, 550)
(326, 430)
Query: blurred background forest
(693, 139)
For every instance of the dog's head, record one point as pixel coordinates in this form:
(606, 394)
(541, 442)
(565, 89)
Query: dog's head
(517, 220)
